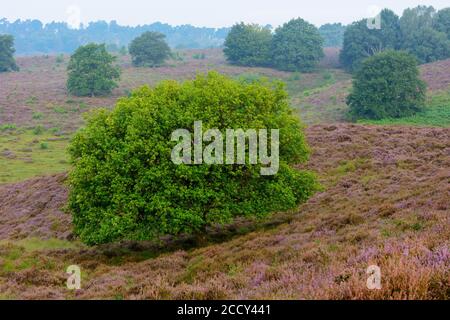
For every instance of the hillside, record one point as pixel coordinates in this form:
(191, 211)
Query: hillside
(385, 199)
(385, 202)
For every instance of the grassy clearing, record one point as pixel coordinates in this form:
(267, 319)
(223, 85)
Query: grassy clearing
(35, 244)
(26, 153)
(436, 114)
(29, 254)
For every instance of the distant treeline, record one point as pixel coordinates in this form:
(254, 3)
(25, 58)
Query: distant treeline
(35, 37)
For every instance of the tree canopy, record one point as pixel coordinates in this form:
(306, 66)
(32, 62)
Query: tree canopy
(424, 34)
(91, 71)
(387, 86)
(248, 45)
(297, 46)
(333, 34)
(420, 31)
(149, 50)
(125, 186)
(360, 42)
(7, 61)
(442, 21)
(35, 37)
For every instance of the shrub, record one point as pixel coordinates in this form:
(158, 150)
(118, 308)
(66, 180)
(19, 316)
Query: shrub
(199, 56)
(248, 45)
(387, 86)
(149, 50)
(297, 46)
(37, 115)
(91, 71)
(124, 185)
(7, 62)
(59, 59)
(8, 126)
(38, 130)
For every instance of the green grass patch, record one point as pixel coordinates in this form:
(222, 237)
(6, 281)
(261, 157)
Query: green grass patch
(435, 114)
(32, 155)
(8, 126)
(60, 109)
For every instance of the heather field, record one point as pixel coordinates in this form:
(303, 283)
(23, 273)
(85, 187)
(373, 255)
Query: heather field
(384, 199)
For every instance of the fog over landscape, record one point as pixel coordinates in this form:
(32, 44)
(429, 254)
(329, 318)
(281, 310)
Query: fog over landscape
(203, 13)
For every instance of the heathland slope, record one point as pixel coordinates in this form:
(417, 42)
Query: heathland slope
(385, 202)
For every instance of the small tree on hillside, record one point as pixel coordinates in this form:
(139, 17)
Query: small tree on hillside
(387, 86)
(149, 50)
(7, 62)
(297, 46)
(91, 71)
(248, 45)
(125, 186)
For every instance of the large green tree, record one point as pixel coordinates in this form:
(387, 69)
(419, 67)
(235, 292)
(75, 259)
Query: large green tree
(361, 42)
(441, 22)
(149, 50)
(91, 71)
(7, 62)
(125, 186)
(424, 33)
(248, 45)
(297, 46)
(387, 86)
(428, 45)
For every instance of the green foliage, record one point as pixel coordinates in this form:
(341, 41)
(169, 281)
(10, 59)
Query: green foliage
(124, 184)
(420, 31)
(60, 58)
(38, 130)
(199, 56)
(387, 86)
(149, 50)
(37, 115)
(35, 37)
(123, 51)
(419, 37)
(441, 21)
(8, 126)
(91, 71)
(60, 109)
(297, 46)
(333, 34)
(428, 45)
(360, 42)
(7, 62)
(248, 45)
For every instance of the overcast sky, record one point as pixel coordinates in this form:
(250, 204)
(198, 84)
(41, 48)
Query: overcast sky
(212, 13)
